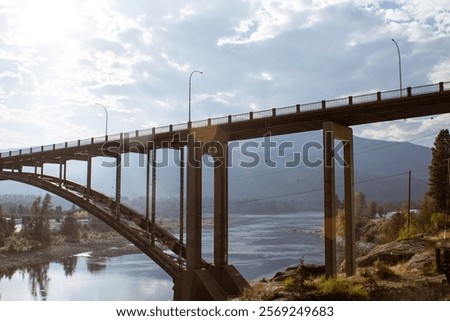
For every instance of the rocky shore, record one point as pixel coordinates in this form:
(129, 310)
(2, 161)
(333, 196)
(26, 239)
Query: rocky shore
(402, 270)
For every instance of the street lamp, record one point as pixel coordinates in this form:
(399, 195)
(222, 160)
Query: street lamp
(106, 114)
(190, 85)
(399, 66)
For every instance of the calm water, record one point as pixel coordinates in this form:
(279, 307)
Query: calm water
(259, 245)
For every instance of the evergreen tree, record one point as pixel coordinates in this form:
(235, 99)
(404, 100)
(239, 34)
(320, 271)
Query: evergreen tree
(427, 209)
(41, 215)
(7, 226)
(373, 209)
(438, 170)
(70, 228)
(360, 204)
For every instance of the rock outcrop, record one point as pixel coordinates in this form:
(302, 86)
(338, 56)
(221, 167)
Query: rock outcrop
(402, 251)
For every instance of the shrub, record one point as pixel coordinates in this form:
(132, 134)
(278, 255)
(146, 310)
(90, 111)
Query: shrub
(383, 271)
(392, 228)
(18, 243)
(342, 289)
(405, 234)
(70, 229)
(295, 284)
(438, 221)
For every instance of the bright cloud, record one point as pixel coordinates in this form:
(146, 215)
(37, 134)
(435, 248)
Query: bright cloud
(57, 59)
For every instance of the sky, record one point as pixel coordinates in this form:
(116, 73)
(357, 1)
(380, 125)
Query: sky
(62, 60)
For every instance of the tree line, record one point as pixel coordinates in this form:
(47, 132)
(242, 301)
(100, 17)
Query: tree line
(36, 231)
(433, 210)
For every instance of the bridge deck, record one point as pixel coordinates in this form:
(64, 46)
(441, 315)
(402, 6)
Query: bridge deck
(377, 107)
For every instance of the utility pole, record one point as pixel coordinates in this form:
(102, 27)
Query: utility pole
(409, 201)
(448, 192)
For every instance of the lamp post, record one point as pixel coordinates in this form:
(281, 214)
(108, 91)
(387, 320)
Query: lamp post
(190, 86)
(106, 114)
(399, 66)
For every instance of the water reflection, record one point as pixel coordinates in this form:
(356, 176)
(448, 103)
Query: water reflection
(87, 278)
(38, 280)
(69, 265)
(7, 273)
(262, 250)
(96, 264)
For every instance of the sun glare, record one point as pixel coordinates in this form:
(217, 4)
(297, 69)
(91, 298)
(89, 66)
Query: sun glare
(48, 20)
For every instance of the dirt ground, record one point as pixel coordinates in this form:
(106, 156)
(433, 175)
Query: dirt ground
(396, 283)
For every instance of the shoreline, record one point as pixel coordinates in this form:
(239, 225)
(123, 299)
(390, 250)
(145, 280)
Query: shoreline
(108, 246)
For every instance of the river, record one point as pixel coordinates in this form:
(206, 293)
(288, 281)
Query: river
(259, 246)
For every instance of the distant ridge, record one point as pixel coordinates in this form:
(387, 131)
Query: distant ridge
(381, 169)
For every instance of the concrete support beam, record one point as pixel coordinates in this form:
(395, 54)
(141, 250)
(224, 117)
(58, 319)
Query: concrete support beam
(88, 177)
(153, 219)
(182, 167)
(332, 131)
(118, 184)
(198, 285)
(194, 205)
(329, 201)
(221, 205)
(350, 221)
(147, 185)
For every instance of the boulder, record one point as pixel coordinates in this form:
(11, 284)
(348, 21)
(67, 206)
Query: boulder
(422, 262)
(395, 252)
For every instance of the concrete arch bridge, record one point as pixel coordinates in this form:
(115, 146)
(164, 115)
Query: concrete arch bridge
(181, 255)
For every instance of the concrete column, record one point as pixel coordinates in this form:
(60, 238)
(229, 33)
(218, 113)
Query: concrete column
(147, 185)
(182, 166)
(153, 218)
(350, 224)
(221, 205)
(329, 200)
(332, 131)
(194, 205)
(89, 176)
(61, 164)
(118, 183)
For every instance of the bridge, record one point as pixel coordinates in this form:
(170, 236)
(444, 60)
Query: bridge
(181, 256)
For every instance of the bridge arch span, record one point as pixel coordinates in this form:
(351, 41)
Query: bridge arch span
(151, 239)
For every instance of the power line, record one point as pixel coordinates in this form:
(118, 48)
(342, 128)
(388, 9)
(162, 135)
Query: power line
(312, 191)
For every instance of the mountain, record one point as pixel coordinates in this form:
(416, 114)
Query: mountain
(381, 172)
(272, 172)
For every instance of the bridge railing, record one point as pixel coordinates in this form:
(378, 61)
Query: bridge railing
(427, 89)
(219, 120)
(324, 104)
(340, 102)
(311, 106)
(261, 114)
(364, 99)
(285, 110)
(200, 123)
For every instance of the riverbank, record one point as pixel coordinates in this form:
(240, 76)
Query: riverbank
(108, 244)
(402, 270)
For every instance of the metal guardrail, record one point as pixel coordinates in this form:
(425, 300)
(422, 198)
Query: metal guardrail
(324, 104)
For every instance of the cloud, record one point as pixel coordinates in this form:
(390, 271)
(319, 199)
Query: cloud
(441, 71)
(269, 19)
(135, 57)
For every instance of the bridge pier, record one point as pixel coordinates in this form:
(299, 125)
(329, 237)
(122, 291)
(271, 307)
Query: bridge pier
(332, 131)
(219, 280)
